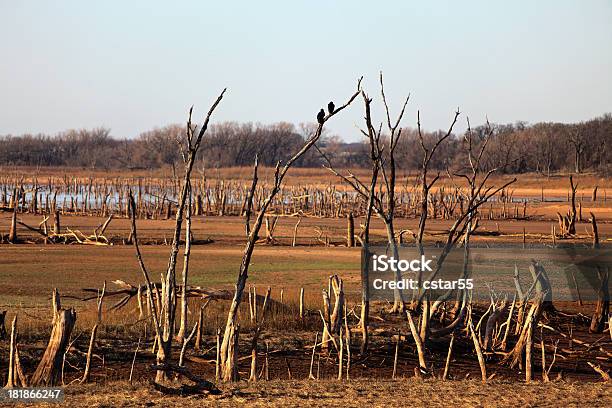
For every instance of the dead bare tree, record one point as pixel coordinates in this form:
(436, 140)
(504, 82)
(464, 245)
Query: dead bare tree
(478, 193)
(428, 154)
(164, 318)
(577, 139)
(383, 201)
(227, 362)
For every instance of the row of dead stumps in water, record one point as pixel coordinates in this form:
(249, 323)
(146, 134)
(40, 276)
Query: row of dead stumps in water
(229, 198)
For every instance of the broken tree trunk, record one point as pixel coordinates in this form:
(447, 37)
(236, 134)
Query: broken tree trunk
(15, 373)
(49, 371)
(56, 222)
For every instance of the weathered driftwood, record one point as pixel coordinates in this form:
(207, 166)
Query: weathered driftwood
(604, 374)
(129, 291)
(55, 236)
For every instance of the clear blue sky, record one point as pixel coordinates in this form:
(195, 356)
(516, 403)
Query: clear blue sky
(134, 65)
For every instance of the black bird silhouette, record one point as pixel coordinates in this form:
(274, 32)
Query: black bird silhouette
(321, 116)
(331, 107)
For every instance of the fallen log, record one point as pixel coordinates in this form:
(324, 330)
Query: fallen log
(71, 236)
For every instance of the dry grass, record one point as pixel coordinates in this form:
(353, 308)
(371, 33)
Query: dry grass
(402, 392)
(31, 272)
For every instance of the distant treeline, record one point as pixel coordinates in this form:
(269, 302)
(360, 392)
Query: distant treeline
(513, 148)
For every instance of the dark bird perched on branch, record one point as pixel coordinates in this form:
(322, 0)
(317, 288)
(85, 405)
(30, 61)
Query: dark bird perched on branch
(321, 116)
(331, 107)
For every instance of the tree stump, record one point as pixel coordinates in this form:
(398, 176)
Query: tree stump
(56, 222)
(12, 237)
(49, 370)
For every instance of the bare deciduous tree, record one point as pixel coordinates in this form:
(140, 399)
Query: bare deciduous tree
(228, 369)
(164, 319)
